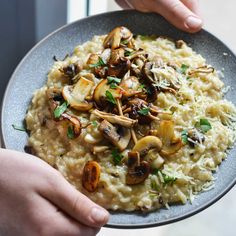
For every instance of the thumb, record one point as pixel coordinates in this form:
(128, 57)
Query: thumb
(179, 15)
(75, 204)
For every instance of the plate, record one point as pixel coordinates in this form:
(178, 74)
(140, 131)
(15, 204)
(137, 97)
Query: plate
(31, 74)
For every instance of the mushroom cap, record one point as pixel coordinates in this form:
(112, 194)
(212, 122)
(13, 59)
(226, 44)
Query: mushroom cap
(91, 176)
(146, 143)
(75, 95)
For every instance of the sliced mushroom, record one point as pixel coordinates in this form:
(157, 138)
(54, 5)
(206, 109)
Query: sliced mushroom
(75, 95)
(115, 37)
(72, 69)
(115, 119)
(100, 149)
(202, 70)
(130, 86)
(93, 63)
(137, 171)
(75, 122)
(116, 56)
(99, 94)
(171, 144)
(91, 176)
(147, 143)
(120, 136)
(120, 69)
(54, 96)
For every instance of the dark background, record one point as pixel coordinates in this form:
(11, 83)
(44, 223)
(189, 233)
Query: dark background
(22, 24)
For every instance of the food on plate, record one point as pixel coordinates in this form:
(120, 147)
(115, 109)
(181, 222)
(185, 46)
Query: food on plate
(134, 122)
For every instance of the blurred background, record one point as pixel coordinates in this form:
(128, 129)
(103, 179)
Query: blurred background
(25, 22)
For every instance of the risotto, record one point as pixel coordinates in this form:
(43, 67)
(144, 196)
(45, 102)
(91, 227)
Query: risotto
(133, 122)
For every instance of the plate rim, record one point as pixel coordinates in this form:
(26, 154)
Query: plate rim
(115, 225)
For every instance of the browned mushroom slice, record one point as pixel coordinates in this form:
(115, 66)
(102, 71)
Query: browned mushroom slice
(130, 86)
(120, 69)
(99, 94)
(115, 119)
(75, 95)
(137, 171)
(147, 143)
(115, 37)
(96, 63)
(171, 144)
(91, 176)
(54, 96)
(120, 136)
(72, 70)
(116, 56)
(75, 122)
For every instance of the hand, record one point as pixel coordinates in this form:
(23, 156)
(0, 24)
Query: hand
(184, 14)
(35, 199)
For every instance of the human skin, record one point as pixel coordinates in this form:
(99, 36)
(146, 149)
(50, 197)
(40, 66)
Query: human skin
(184, 14)
(35, 199)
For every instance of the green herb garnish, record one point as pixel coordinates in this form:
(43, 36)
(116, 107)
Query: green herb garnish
(99, 63)
(184, 68)
(117, 156)
(168, 179)
(110, 97)
(113, 85)
(127, 53)
(60, 109)
(154, 185)
(94, 123)
(19, 128)
(144, 111)
(203, 125)
(155, 171)
(184, 136)
(70, 132)
(124, 41)
(111, 79)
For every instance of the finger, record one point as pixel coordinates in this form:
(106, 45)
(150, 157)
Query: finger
(74, 203)
(193, 5)
(47, 220)
(123, 4)
(179, 15)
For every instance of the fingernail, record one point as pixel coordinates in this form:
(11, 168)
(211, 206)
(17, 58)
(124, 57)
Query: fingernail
(193, 22)
(99, 215)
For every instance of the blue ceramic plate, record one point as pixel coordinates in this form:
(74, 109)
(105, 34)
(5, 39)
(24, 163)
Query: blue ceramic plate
(31, 74)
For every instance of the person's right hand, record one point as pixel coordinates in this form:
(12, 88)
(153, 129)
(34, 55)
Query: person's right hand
(35, 199)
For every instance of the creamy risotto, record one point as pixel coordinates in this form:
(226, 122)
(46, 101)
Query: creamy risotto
(134, 122)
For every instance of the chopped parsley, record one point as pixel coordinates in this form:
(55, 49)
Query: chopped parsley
(60, 109)
(94, 123)
(167, 179)
(110, 97)
(112, 79)
(113, 85)
(98, 64)
(127, 53)
(184, 136)
(117, 156)
(144, 111)
(19, 128)
(203, 125)
(154, 186)
(124, 41)
(70, 132)
(183, 69)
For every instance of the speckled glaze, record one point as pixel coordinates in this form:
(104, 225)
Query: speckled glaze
(31, 74)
